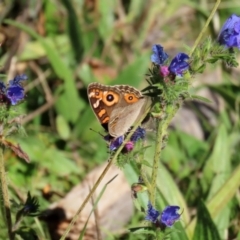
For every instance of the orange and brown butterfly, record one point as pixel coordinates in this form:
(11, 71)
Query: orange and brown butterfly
(117, 107)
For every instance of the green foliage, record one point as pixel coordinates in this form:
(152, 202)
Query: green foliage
(205, 229)
(63, 46)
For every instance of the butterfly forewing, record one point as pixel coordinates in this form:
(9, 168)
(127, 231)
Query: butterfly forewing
(117, 107)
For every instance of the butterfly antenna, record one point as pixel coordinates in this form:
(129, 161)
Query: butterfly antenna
(96, 132)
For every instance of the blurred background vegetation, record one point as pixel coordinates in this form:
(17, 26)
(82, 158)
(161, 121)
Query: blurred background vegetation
(63, 45)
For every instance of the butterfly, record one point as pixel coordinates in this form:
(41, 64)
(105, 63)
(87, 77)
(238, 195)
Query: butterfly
(117, 107)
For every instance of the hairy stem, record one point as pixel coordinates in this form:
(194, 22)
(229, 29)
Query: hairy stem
(162, 126)
(5, 197)
(156, 159)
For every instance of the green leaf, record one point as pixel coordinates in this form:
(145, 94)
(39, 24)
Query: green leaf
(178, 232)
(219, 164)
(193, 146)
(74, 30)
(142, 230)
(58, 164)
(203, 99)
(220, 158)
(133, 73)
(227, 91)
(146, 163)
(205, 228)
(85, 73)
(221, 198)
(212, 60)
(35, 50)
(51, 158)
(201, 69)
(63, 106)
(51, 16)
(62, 127)
(106, 21)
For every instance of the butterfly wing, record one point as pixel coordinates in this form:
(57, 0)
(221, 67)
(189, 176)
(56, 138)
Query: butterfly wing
(98, 95)
(117, 107)
(122, 117)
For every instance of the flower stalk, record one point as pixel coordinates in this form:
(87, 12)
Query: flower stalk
(161, 133)
(162, 125)
(5, 197)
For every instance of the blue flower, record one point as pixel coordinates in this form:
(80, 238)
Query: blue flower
(138, 134)
(159, 56)
(15, 92)
(18, 80)
(179, 64)
(229, 35)
(167, 218)
(170, 215)
(116, 143)
(152, 214)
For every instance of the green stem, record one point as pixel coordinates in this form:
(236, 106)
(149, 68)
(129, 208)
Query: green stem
(205, 27)
(163, 124)
(113, 159)
(161, 132)
(5, 197)
(156, 159)
(142, 172)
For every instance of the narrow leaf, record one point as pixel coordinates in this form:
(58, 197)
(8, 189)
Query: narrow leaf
(205, 228)
(74, 30)
(203, 99)
(95, 206)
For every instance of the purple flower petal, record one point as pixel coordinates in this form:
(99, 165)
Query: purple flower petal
(128, 147)
(164, 71)
(17, 80)
(15, 91)
(138, 134)
(116, 143)
(229, 35)
(15, 94)
(159, 56)
(152, 213)
(179, 64)
(170, 215)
